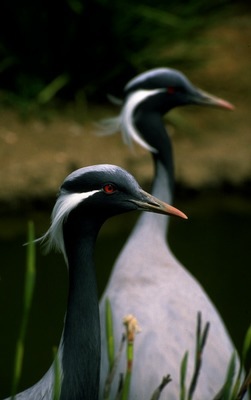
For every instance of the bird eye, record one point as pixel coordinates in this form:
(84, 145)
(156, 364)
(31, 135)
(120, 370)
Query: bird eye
(171, 90)
(109, 188)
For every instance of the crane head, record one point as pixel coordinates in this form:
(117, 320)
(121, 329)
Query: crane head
(97, 193)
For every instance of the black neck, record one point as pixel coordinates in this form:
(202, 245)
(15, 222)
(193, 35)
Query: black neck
(81, 337)
(152, 129)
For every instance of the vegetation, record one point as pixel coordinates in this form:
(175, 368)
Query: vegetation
(29, 285)
(80, 50)
(76, 49)
(234, 388)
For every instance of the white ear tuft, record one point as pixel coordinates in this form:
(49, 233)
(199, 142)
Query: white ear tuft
(128, 129)
(124, 121)
(65, 203)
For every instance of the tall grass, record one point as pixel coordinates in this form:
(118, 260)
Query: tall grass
(234, 387)
(30, 276)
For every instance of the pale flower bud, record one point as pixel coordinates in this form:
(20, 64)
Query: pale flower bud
(132, 326)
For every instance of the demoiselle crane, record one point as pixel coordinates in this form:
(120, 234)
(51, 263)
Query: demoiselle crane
(87, 198)
(147, 280)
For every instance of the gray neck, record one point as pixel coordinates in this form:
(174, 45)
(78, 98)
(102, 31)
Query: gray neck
(163, 182)
(162, 188)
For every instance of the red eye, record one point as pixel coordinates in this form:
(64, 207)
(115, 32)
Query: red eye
(109, 188)
(171, 90)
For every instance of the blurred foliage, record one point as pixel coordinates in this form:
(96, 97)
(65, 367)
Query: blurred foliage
(87, 48)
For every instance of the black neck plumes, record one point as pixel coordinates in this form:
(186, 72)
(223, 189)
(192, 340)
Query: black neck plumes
(81, 337)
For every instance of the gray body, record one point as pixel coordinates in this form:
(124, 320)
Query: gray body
(165, 298)
(147, 280)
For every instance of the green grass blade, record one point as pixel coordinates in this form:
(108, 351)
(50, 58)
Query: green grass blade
(157, 393)
(109, 333)
(246, 345)
(50, 90)
(112, 371)
(201, 338)
(29, 284)
(132, 327)
(127, 381)
(30, 269)
(226, 394)
(183, 371)
(245, 349)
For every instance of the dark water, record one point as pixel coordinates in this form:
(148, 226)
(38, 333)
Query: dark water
(214, 244)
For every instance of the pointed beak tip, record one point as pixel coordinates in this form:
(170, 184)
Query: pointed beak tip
(181, 215)
(225, 104)
(211, 100)
(153, 204)
(176, 212)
